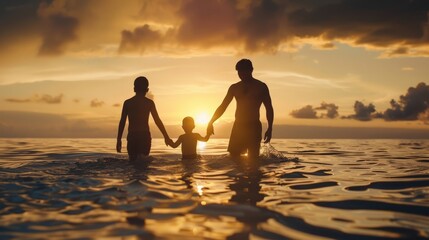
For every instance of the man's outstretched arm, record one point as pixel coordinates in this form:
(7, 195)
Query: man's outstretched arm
(121, 129)
(270, 117)
(220, 110)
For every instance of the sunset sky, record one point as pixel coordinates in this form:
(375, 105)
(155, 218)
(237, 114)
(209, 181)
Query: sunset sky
(67, 66)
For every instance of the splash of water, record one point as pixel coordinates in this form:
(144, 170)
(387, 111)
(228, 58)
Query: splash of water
(269, 152)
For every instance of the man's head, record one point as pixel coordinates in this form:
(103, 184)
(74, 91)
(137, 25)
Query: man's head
(244, 69)
(188, 124)
(141, 85)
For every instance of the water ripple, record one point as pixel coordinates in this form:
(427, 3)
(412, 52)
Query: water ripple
(336, 189)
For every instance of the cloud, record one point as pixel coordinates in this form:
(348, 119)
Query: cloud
(411, 106)
(305, 112)
(140, 39)
(17, 100)
(96, 103)
(407, 69)
(60, 30)
(396, 27)
(28, 21)
(116, 105)
(363, 113)
(301, 80)
(44, 98)
(21, 19)
(331, 108)
(414, 105)
(424, 117)
(310, 112)
(269, 25)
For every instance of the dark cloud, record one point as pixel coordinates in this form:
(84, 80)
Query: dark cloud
(411, 106)
(49, 99)
(310, 112)
(18, 100)
(362, 112)
(116, 105)
(206, 22)
(96, 103)
(305, 112)
(414, 105)
(19, 21)
(140, 39)
(398, 27)
(59, 31)
(267, 25)
(44, 98)
(264, 26)
(378, 23)
(331, 108)
(26, 21)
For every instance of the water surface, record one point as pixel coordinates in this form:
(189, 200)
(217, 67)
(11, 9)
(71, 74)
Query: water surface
(341, 189)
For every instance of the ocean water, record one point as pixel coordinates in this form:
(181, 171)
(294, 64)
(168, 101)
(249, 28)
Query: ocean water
(319, 189)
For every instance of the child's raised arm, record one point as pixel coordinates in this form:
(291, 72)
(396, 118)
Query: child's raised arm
(203, 139)
(176, 143)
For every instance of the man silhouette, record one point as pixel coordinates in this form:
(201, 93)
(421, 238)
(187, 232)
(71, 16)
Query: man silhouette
(249, 93)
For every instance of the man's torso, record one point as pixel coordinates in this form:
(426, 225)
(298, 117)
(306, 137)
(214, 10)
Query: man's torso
(249, 97)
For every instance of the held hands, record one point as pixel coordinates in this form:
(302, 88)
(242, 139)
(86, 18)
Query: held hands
(168, 142)
(267, 137)
(210, 129)
(118, 145)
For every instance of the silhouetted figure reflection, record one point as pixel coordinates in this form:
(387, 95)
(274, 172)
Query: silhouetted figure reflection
(190, 167)
(247, 184)
(247, 188)
(137, 110)
(140, 169)
(250, 94)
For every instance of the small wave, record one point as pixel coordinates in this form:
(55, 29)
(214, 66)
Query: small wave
(298, 189)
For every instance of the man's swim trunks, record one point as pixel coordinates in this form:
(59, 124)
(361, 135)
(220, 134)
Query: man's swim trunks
(138, 143)
(244, 136)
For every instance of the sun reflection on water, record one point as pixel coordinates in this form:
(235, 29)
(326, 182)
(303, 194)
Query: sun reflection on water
(201, 145)
(199, 188)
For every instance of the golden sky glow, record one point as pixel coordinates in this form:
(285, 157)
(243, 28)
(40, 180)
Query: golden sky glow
(67, 66)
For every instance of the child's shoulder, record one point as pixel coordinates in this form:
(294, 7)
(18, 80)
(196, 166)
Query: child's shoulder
(189, 135)
(139, 99)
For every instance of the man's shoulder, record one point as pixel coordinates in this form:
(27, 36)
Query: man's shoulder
(260, 84)
(235, 85)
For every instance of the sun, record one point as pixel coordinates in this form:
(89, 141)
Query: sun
(202, 118)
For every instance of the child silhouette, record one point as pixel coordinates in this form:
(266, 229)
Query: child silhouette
(189, 139)
(137, 109)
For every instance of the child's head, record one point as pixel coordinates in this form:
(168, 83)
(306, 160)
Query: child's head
(141, 85)
(188, 124)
